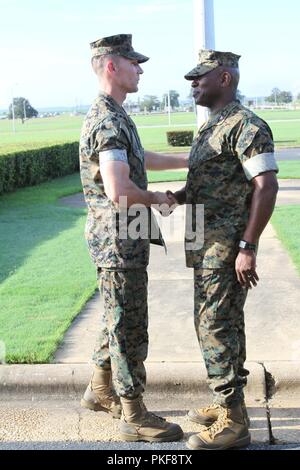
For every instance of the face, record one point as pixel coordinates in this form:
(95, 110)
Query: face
(127, 74)
(207, 89)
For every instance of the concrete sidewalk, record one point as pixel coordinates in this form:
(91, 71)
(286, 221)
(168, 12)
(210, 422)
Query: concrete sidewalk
(272, 315)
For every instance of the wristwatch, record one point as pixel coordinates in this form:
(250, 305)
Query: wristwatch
(247, 246)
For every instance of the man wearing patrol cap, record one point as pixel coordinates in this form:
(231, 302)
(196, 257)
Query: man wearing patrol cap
(232, 172)
(120, 44)
(113, 168)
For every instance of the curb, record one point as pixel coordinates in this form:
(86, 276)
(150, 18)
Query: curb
(22, 381)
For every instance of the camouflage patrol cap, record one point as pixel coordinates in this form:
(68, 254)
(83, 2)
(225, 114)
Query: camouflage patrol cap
(210, 60)
(120, 44)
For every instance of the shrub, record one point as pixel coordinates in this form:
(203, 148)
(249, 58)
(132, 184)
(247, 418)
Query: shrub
(180, 138)
(33, 167)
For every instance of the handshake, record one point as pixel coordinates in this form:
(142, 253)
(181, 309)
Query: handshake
(165, 203)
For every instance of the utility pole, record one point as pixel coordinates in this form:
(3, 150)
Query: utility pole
(169, 107)
(204, 32)
(24, 108)
(13, 112)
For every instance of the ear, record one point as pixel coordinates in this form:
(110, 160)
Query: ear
(111, 66)
(226, 79)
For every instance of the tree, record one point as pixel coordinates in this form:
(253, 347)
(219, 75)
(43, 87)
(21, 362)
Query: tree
(22, 109)
(174, 103)
(280, 97)
(150, 102)
(286, 97)
(273, 98)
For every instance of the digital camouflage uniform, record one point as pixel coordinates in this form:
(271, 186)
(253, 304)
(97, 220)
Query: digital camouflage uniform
(229, 150)
(121, 263)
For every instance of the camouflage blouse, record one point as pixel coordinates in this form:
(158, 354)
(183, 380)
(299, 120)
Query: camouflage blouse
(106, 127)
(234, 146)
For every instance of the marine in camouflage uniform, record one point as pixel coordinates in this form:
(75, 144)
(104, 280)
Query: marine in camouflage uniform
(231, 148)
(219, 177)
(109, 135)
(121, 263)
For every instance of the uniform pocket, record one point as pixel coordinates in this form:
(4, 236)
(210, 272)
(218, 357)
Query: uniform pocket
(205, 148)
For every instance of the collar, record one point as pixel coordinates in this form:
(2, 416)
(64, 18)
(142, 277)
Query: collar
(219, 116)
(108, 98)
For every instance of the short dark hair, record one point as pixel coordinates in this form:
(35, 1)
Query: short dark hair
(98, 62)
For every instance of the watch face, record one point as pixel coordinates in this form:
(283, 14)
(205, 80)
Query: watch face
(247, 246)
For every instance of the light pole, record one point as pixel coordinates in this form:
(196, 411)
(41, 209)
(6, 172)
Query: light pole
(204, 31)
(169, 107)
(13, 111)
(24, 108)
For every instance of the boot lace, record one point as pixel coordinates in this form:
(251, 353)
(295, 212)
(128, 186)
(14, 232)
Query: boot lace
(219, 424)
(150, 416)
(213, 406)
(153, 418)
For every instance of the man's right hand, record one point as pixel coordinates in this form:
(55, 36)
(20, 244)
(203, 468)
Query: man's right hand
(179, 196)
(164, 203)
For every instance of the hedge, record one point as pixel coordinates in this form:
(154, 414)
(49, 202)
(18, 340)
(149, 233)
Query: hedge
(32, 167)
(180, 138)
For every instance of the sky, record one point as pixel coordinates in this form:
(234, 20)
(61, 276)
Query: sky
(45, 52)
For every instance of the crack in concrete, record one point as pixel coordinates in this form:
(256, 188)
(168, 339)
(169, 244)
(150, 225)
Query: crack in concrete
(80, 437)
(270, 392)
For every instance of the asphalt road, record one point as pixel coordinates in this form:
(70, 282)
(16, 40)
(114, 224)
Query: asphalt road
(288, 154)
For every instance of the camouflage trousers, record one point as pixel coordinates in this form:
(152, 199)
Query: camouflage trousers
(122, 344)
(219, 323)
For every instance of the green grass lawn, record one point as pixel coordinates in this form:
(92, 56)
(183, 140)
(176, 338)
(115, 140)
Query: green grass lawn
(286, 221)
(46, 275)
(289, 169)
(275, 115)
(49, 131)
(39, 132)
(161, 176)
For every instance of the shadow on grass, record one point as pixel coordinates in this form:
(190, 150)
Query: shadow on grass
(30, 217)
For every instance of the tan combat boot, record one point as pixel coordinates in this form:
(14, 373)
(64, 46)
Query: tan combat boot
(228, 431)
(138, 424)
(99, 395)
(207, 416)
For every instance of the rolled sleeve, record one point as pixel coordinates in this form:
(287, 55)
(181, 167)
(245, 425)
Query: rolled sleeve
(255, 149)
(259, 164)
(113, 155)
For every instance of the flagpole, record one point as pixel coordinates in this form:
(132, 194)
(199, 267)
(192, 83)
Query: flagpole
(204, 32)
